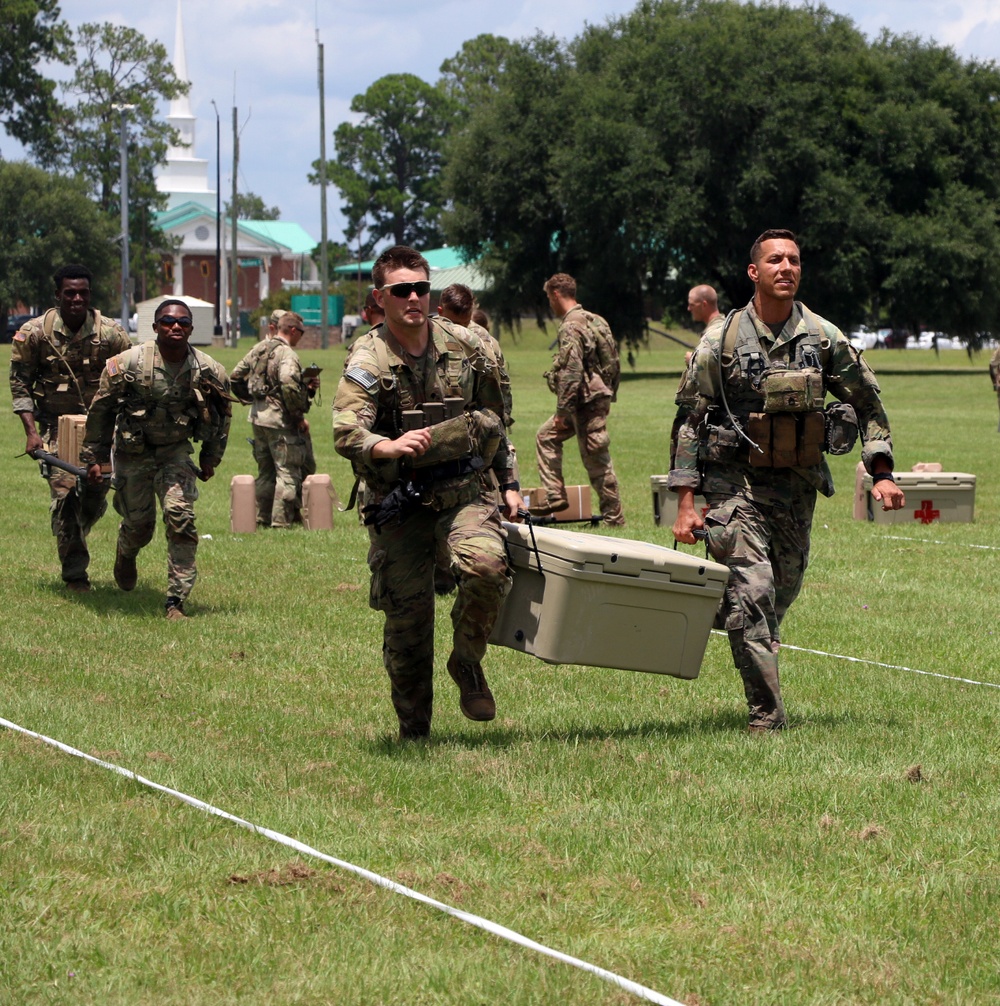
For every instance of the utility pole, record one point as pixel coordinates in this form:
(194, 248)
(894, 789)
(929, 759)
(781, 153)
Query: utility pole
(234, 290)
(124, 109)
(324, 265)
(218, 226)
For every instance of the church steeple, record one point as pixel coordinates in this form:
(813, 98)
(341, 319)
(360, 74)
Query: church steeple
(184, 176)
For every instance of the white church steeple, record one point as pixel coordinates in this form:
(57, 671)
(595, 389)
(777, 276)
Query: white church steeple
(184, 176)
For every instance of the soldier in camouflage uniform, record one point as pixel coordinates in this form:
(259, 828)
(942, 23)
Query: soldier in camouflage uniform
(56, 363)
(995, 375)
(584, 379)
(752, 445)
(426, 486)
(154, 400)
(269, 379)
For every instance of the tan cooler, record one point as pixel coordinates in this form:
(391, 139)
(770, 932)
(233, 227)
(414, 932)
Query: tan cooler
(608, 602)
(931, 498)
(665, 502)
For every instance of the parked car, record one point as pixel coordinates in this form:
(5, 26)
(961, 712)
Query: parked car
(14, 322)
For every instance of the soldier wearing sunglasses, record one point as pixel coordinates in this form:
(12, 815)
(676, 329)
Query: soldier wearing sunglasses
(429, 487)
(153, 401)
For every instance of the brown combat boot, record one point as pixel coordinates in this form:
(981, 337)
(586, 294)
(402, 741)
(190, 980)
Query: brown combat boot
(78, 586)
(175, 609)
(126, 575)
(547, 507)
(475, 697)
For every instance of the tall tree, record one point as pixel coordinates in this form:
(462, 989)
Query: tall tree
(32, 33)
(46, 221)
(117, 65)
(501, 176)
(388, 166)
(470, 77)
(250, 206)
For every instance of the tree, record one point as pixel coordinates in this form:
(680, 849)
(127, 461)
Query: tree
(250, 206)
(116, 65)
(469, 78)
(500, 176)
(388, 167)
(46, 221)
(32, 33)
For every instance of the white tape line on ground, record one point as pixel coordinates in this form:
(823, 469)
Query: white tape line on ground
(878, 663)
(650, 995)
(932, 541)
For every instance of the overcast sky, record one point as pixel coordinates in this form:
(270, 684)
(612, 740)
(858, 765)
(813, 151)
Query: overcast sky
(261, 56)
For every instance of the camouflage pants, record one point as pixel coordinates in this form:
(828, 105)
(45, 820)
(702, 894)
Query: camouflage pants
(284, 458)
(590, 426)
(74, 509)
(402, 560)
(766, 548)
(168, 475)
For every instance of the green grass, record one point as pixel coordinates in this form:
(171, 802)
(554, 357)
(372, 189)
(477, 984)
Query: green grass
(626, 819)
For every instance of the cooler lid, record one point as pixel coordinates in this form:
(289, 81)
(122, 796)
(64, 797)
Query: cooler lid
(597, 553)
(658, 481)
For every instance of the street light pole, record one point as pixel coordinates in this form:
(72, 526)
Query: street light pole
(124, 109)
(218, 226)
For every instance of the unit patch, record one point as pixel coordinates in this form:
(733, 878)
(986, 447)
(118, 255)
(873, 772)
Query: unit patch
(361, 377)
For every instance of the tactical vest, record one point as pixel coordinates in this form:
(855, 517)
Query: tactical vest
(791, 437)
(69, 375)
(186, 411)
(450, 482)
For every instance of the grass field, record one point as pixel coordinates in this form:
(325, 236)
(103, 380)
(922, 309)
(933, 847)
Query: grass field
(625, 819)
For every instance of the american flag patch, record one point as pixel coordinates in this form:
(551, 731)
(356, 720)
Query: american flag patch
(362, 377)
(20, 336)
(112, 366)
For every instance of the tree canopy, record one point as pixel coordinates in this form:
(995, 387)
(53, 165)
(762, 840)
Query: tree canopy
(47, 221)
(250, 206)
(32, 33)
(645, 156)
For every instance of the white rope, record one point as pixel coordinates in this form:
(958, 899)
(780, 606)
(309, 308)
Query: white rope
(878, 663)
(650, 995)
(931, 541)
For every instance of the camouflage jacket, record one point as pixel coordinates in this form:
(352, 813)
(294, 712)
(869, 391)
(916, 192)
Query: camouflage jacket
(142, 405)
(269, 380)
(54, 372)
(379, 384)
(572, 378)
(846, 376)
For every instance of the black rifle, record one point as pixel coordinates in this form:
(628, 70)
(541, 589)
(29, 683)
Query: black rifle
(53, 462)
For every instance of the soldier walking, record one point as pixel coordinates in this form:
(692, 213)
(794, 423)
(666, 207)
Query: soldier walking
(153, 401)
(269, 379)
(55, 366)
(584, 378)
(752, 445)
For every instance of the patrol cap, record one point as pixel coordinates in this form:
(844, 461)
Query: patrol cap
(276, 315)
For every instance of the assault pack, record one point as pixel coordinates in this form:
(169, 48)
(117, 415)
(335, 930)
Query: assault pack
(602, 356)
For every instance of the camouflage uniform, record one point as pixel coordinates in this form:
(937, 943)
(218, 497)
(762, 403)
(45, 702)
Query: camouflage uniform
(760, 518)
(583, 403)
(381, 381)
(269, 379)
(151, 413)
(55, 373)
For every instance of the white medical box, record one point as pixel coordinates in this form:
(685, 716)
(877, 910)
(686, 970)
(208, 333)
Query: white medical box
(932, 497)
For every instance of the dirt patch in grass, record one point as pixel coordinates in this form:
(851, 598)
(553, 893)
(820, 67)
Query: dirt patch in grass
(295, 872)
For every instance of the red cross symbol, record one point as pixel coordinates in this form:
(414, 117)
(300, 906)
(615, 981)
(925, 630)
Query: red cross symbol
(927, 514)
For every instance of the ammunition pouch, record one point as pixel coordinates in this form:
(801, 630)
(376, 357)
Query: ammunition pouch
(787, 439)
(471, 434)
(792, 390)
(130, 435)
(841, 428)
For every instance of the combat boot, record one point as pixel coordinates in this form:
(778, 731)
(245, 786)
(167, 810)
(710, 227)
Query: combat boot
(126, 575)
(79, 586)
(475, 697)
(548, 507)
(175, 609)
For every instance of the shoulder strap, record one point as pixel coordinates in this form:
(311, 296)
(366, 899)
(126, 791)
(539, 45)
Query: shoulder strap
(148, 358)
(730, 328)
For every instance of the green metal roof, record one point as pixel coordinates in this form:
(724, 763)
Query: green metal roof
(289, 235)
(437, 258)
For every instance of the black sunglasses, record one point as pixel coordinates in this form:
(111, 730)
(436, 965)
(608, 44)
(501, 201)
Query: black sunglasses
(168, 321)
(403, 290)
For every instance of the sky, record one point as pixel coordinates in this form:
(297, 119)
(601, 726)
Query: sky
(261, 57)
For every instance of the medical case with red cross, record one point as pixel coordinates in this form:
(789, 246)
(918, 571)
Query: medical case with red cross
(932, 497)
